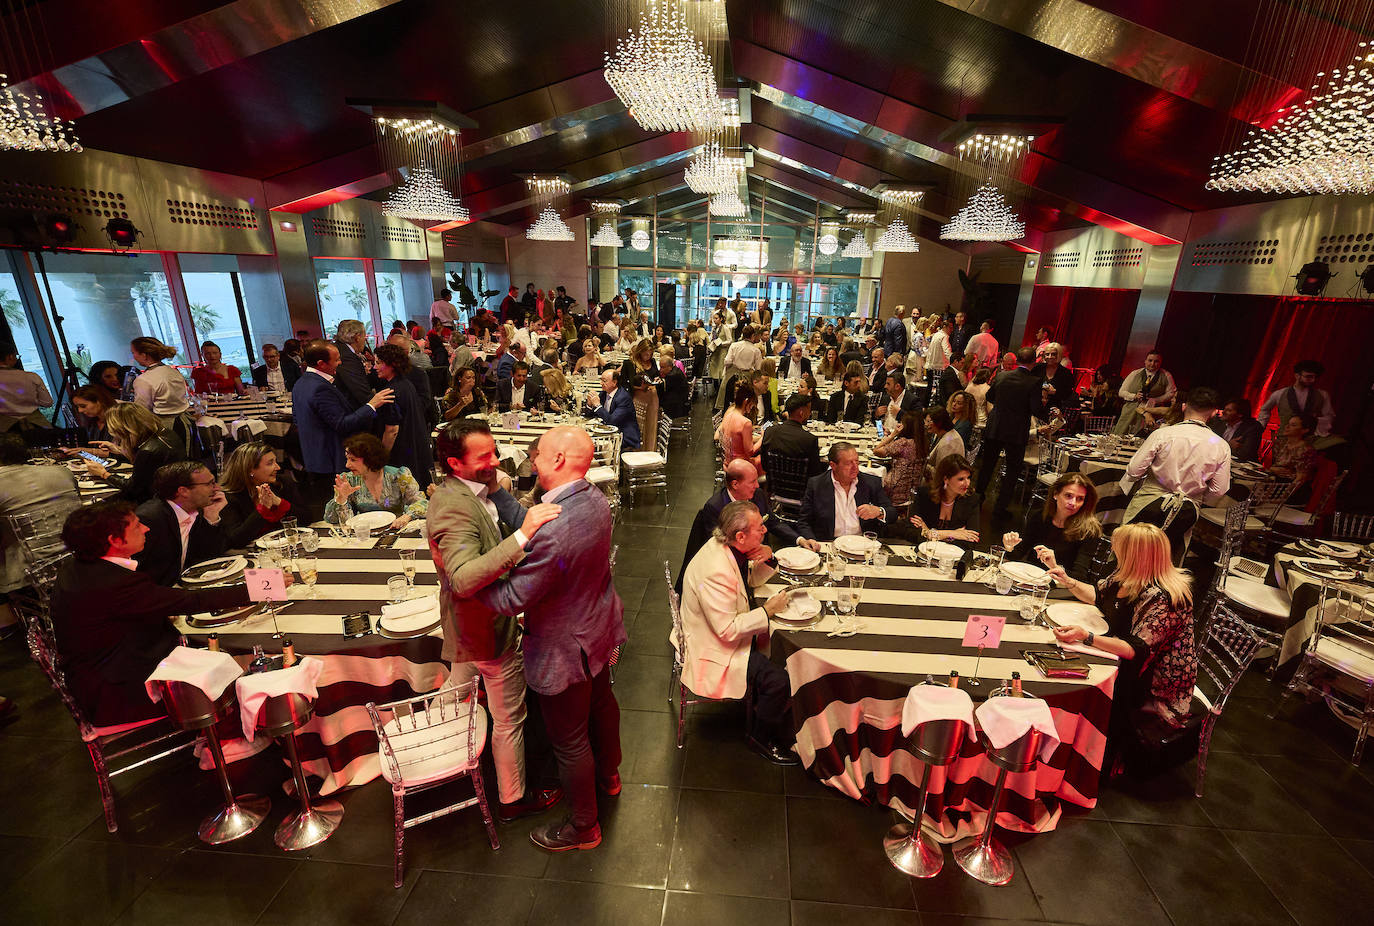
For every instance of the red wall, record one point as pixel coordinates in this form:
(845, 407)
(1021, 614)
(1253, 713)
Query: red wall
(1093, 323)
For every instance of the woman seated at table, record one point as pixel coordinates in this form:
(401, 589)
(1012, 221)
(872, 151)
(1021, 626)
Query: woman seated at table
(942, 439)
(949, 511)
(1148, 604)
(830, 366)
(371, 485)
(258, 492)
(1103, 394)
(1293, 455)
(137, 435)
(962, 412)
(216, 376)
(1063, 531)
(736, 431)
(93, 404)
(906, 448)
(590, 361)
(109, 376)
(463, 397)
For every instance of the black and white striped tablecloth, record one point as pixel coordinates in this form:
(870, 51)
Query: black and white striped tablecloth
(848, 692)
(338, 745)
(1304, 590)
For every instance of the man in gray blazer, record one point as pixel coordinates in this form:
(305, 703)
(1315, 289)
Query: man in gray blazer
(474, 537)
(573, 621)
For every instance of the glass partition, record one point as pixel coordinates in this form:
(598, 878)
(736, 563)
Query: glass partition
(21, 328)
(343, 293)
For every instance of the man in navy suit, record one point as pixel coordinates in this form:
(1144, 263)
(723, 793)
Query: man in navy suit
(843, 501)
(1015, 397)
(616, 407)
(851, 404)
(520, 390)
(323, 419)
(894, 333)
(573, 622)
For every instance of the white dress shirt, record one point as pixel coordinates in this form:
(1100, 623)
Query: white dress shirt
(489, 506)
(846, 509)
(611, 329)
(893, 419)
(320, 373)
(275, 379)
(162, 390)
(517, 395)
(185, 521)
(443, 310)
(553, 495)
(983, 346)
(1187, 457)
(129, 564)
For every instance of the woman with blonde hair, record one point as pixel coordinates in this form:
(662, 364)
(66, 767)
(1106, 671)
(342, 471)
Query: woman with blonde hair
(1063, 531)
(161, 389)
(257, 491)
(1148, 606)
(830, 366)
(137, 435)
(590, 359)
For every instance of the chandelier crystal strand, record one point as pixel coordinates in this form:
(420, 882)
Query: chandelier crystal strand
(551, 193)
(989, 164)
(857, 246)
(728, 204)
(26, 126)
(899, 208)
(985, 218)
(662, 72)
(717, 164)
(1325, 145)
(607, 214)
(430, 154)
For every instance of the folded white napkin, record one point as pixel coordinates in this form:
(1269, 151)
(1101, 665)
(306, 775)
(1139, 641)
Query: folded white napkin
(210, 421)
(411, 607)
(415, 614)
(925, 703)
(254, 690)
(210, 672)
(1005, 720)
(255, 426)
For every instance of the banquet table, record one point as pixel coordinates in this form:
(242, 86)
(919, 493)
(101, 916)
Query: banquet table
(272, 408)
(864, 440)
(338, 745)
(848, 693)
(1304, 590)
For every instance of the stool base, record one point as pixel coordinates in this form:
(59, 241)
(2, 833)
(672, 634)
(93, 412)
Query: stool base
(989, 863)
(303, 829)
(234, 820)
(920, 857)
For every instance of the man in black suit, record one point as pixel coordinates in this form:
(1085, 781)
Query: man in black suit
(182, 520)
(419, 378)
(741, 485)
(1015, 397)
(674, 392)
(851, 352)
(351, 375)
(112, 623)
(519, 391)
(896, 403)
(796, 358)
(851, 404)
(1238, 427)
(276, 370)
(843, 501)
(790, 439)
(948, 381)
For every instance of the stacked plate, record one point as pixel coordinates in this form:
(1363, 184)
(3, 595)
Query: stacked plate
(1074, 613)
(1026, 573)
(215, 570)
(798, 560)
(1324, 569)
(801, 608)
(372, 520)
(856, 546)
(413, 618)
(1330, 548)
(938, 549)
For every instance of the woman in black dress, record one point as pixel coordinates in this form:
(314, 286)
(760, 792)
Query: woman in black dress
(1063, 531)
(258, 491)
(949, 511)
(411, 448)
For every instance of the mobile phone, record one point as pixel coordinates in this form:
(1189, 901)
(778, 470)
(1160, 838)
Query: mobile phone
(87, 455)
(357, 625)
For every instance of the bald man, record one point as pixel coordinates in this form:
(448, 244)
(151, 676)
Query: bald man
(573, 622)
(741, 485)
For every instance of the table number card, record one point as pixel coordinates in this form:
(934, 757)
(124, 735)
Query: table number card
(265, 584)
(984, 630)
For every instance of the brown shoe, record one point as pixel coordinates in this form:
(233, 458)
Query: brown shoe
(564, 837)
(532, 803)
(609, 786)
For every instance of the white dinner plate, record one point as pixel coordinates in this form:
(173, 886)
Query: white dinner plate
(1324, 570)
(423, 616)
(854, 545)
(213, 570)
(372, 520)
(1024, 572)
(938, 549)
(1332, 548)
(798, 559)
(801, 607)
(1074, 612)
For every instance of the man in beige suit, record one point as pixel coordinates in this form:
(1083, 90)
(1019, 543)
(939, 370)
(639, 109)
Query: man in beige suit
(473, 538)
(721, 623)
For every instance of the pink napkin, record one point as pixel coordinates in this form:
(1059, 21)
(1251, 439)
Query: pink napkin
(254, 690)
(1005, 720)
(208, 671)
(925, 703)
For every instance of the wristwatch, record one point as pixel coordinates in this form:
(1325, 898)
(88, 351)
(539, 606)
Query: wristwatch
(1088, 640)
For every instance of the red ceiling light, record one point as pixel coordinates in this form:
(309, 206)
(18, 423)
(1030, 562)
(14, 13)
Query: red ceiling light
(122, 233)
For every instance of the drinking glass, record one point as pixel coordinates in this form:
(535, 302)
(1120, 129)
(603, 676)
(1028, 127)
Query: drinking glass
(310, 571)
(846, 601)
(408, 566)
(397, 588)
(310, 541)
(363, 535)
(947, 566)
(1025, 606)
(994, 569)
(871, 546)
(1002, 583)
(880, 562)
(835, 568)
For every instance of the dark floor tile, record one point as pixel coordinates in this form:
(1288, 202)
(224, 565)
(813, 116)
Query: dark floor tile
(1289, 733)
(85, 882)
(1199, 876)
(836, 854)
(588, 904)
(161, 805)
(811, 913)
(1164, 798)
(636, 837)
(683, 909)
(442, 897)
(730, 843)
(68, 799)
(630, 589)
(648, 742)
(948, 919)
(1362, 850)
(458, 842)
(650, 635)
(20, 855)
(228, 889)
(1240, 794)
(1116, 893)
(332, 892)
(719, 759)
(952, 891)
(636, 562)
(641, 682)
(1334, 792)
(1322, 888)
(798, 782)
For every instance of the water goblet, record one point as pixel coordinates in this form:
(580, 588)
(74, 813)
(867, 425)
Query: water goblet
(397, 588)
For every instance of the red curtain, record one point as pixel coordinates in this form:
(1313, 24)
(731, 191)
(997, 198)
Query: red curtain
(1092, 323)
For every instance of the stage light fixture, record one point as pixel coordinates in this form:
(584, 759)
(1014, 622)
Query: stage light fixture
(1313, 277)
(59, 228)
(122, 233)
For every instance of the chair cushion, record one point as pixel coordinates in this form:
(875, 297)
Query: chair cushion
(1047, 479)
(640, 459)
(1217, 516)
(1266, 599)
(448, 756)
(1294, 517)
(600, 475)
(1347, 656)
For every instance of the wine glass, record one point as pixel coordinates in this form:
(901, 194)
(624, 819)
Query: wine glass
(408, 567)
(310, 571)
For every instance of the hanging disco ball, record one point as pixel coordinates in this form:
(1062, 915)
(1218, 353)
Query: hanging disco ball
(827, 244)
(640, 240)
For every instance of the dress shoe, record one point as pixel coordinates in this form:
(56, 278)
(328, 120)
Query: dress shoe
(773, 752)
(532, 803)
(564, 837)
(609, 786)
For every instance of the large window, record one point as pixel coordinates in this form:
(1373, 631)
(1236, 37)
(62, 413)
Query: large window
(21, 327)
(343, 294)
(390, 293)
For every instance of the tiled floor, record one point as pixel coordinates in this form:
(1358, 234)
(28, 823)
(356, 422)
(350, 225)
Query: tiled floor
(708, 834)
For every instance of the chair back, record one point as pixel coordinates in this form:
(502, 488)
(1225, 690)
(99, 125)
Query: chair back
(1345, 617)
(1325, 483)
(33, 606)
(1267, 498)
(1350, 526)
(1103, 561)
(787, 476)
(675, 607)
(873, 399)
(607, 450)
(39, 534)
(664, 436)
(1098, 424)
(428, 726)
(1232, 541)
(1228, 645)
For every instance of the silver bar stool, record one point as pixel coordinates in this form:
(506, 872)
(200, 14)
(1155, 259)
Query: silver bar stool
(908, 846)
(191, 709)
(281, 716)
(981, 856)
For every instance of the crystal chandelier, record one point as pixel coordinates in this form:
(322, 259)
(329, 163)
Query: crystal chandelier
(550, 193)
(606, 214)
(713, 170)
(899, 207)
(1323, 146)
(549, 227)
(896, 238)
(829, 242)
(728, 204)
(662, 72)
(986, 217)
(428, 152)
(857, 246)
(25, 126)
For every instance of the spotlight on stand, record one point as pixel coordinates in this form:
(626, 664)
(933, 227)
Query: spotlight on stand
(1367, 280)
(1313, 277)
(59, 228)
(122, 233)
